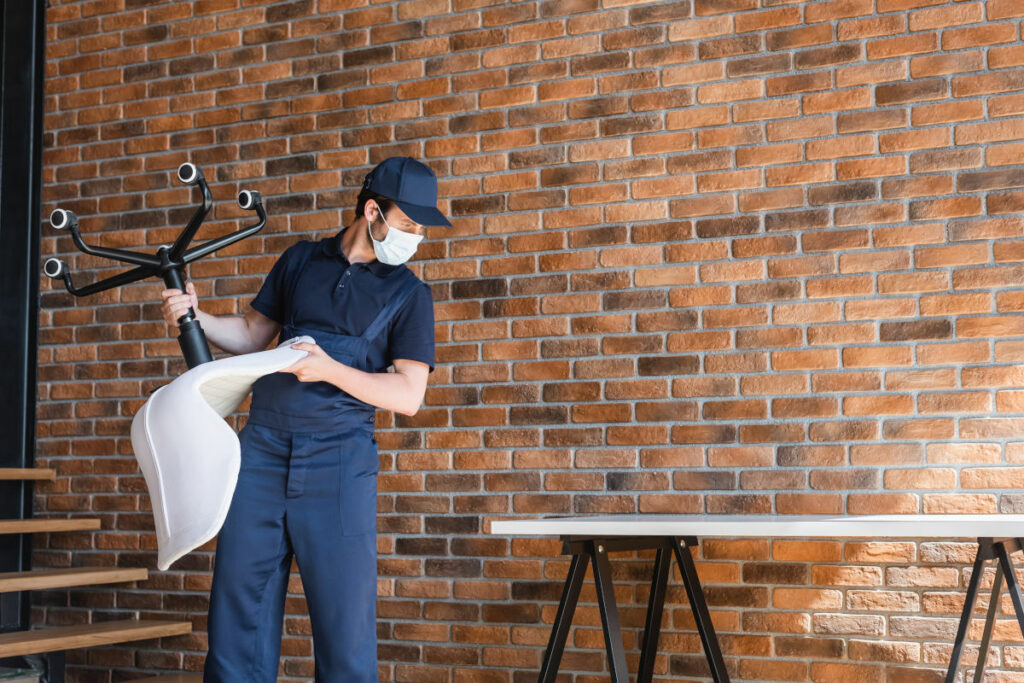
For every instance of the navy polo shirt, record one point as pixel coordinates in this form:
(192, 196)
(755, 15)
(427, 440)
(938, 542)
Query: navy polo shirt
(344, 298)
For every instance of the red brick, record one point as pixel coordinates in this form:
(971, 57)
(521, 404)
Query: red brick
(989, 34)
(871, 74)
(805, 360)
(943, 64)
(878, 405)
(878, 25)
(902, 46)
(944, 17)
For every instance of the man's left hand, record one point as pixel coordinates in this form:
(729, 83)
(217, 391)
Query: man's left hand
(316, 367)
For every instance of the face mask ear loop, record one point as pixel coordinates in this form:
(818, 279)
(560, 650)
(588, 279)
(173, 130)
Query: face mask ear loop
(388, 227)
(369, 226)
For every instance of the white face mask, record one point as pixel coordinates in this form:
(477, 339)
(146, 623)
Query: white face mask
(397, 247)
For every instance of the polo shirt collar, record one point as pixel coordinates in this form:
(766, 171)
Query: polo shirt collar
(331, 246)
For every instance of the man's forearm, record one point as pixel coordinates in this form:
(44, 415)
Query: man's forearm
(229, 332)
(387, 390)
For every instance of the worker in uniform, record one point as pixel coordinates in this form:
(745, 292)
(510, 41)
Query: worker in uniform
(307, 485)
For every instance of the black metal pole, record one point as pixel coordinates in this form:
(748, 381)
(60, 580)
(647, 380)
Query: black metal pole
(609, 613)
(700, 610)
(191, 337)
(990, 622)
(563, 618)
(983, 555)
(655, 608)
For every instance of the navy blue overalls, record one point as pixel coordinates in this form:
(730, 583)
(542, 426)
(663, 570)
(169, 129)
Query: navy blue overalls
(308, 487)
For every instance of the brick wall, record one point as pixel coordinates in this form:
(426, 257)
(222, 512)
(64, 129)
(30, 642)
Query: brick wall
(725, 256)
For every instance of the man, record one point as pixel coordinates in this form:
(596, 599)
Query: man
(307, 484)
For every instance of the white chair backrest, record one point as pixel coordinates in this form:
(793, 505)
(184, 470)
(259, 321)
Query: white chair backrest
(189, 455)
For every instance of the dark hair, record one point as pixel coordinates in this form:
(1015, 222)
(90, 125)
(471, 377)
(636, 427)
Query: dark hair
(365, 195)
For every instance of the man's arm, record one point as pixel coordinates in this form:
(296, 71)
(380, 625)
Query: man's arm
(238, 334)
(400, 391)
(234, 334)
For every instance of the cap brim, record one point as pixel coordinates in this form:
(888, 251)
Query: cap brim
(424, 215)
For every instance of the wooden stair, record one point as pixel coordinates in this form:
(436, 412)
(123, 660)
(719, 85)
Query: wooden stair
(59, 638)
(26, 473)
(52, 642)
(170, 678)
(42, 579)
(37, 526)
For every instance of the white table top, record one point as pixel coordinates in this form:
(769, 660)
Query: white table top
(745, 526)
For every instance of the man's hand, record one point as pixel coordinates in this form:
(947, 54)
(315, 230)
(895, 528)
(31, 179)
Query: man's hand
(176, 303)
(316, 367)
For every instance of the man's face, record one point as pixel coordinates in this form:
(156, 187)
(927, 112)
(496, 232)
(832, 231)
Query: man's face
(395, 217)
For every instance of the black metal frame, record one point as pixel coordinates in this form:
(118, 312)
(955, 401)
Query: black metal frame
(21, 121)
(589, 549)
(22, 41)
(998, 549)
(596, 549)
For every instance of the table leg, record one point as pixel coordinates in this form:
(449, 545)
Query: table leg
(983, 555)
(990, 621)
(563, 618)
(700, 610)
(655, 608)
(1012, 585)
(609, 613)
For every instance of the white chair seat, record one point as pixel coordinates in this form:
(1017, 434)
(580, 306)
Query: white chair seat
(189, 455)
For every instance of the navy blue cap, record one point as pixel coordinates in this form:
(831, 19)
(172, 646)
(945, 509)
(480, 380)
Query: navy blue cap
(411, 185)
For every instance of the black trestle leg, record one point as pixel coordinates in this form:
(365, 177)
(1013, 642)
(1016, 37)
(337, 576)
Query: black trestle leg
(655, 608)
(990, 621)
(1012, 584)
(984, 554)
(609, 613)
(563, 618)
(700, 611)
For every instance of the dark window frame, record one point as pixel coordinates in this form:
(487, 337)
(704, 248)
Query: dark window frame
(21, 121)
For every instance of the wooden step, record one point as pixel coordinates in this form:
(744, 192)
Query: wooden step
(55, 638)
(23, 473)
(37, 526)
(170, 678)
(40, 579)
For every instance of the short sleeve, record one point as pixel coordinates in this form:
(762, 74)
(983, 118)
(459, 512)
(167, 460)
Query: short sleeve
(270, 301)
(412, 334)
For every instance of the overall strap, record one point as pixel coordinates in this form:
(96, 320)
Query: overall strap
(306, 251)
(394, 304)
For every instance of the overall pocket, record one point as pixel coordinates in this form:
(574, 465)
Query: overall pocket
(357, 487)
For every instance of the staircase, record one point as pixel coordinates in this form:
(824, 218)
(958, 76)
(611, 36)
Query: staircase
(53, 641)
